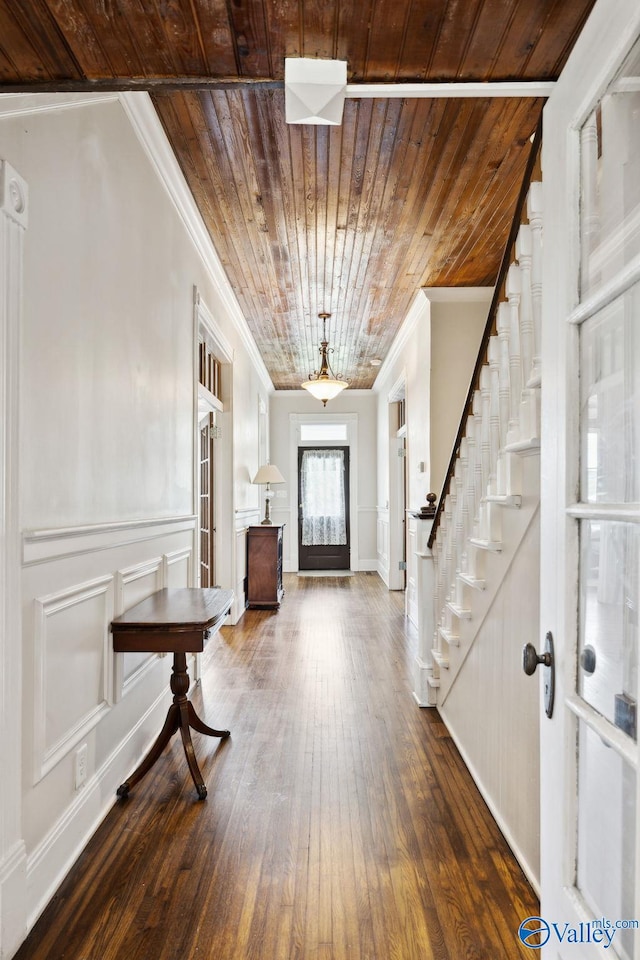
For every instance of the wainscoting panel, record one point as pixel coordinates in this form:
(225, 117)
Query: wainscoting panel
(177, 568)
(382, 544)
(133, 585)
(71, 626)
(76, 692)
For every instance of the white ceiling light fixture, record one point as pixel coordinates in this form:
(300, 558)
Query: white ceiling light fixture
(314, 90)
(324, 384)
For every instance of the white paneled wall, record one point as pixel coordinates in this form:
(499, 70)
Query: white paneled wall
(80, 692)
(492, 707)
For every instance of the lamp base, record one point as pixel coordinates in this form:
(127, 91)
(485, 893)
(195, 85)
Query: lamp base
(267, 509)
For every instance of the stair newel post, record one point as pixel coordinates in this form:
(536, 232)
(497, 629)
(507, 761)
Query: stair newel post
(442, 568)
(437, 595)
(534, 213)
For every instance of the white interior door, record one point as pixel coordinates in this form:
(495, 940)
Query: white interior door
(590, 577)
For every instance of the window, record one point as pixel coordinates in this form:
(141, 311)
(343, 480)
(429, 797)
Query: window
(323, 432)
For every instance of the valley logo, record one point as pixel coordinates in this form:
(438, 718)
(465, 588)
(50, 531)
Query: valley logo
(535, 932)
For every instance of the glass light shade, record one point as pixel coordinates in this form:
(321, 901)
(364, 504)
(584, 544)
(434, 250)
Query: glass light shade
(268, 473)
(324, 388)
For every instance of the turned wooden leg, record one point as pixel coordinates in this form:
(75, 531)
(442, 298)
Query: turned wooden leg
(171, 724)
(181, 716)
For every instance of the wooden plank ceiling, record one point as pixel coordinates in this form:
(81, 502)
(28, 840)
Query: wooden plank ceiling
(351, 220)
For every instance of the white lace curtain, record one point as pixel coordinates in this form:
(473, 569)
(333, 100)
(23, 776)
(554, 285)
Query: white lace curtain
(322, 498)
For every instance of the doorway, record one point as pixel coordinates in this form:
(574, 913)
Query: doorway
(323, 508)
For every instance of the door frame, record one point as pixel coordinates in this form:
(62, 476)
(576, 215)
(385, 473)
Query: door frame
(351, 421)
(347, 490)
(606, 39)
(204, 404)
(398, 492)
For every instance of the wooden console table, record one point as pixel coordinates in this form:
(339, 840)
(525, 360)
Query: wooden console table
(173, 621)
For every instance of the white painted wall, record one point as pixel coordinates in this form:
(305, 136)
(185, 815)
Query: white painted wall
(106, 465)
(491, 708)
(433, 358)
(456, 332)
(360, 404)
(406, 369)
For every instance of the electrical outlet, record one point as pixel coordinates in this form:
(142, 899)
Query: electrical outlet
(81, 765)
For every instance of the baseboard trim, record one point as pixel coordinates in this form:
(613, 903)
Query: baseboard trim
(495, 812)
(51, 860)
(13, 899)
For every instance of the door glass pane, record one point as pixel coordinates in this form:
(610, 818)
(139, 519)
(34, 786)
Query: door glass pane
(607, 668)
(610, 177)
(322, 498)
(606, 839)
(610, 402)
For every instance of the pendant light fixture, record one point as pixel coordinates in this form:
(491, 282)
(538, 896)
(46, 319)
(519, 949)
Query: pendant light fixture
(324, 384)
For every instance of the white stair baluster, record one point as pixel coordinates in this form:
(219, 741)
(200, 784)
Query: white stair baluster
(485, 429)
(515, 360)
(494, 413)
(523, 256)
(534, 213)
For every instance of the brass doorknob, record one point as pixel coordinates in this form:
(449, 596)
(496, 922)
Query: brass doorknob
(531, 658)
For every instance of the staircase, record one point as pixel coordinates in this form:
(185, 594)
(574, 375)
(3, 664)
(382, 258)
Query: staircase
(478, 576)
(493, 493)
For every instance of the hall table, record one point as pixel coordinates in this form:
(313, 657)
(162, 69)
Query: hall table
(174, 620)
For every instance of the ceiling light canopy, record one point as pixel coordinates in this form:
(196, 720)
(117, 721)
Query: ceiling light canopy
(324, 384)
(314, 90)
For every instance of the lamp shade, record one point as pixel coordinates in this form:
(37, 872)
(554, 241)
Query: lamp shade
(268, 473)
(324, 388)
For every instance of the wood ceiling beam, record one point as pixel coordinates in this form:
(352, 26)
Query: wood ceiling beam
(533, 88)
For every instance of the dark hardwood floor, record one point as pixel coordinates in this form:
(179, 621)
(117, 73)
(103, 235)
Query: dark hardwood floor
(341, 823)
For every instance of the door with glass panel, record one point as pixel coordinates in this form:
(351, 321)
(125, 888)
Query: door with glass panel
(207, 503)
(590, 547)
(323, 524)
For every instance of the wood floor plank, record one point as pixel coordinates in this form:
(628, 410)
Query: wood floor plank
(340, 823)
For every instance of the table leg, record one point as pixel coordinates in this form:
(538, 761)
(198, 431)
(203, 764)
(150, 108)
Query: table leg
(181, 716)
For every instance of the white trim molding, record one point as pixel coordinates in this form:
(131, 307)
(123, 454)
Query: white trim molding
(40, 546)
(452, 90)
(14, 211)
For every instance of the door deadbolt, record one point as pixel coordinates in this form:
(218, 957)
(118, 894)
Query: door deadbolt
(530, 660)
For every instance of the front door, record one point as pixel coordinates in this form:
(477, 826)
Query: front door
(323, 526)
(590, 575)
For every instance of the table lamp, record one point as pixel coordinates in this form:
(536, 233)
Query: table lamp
(268, 474)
